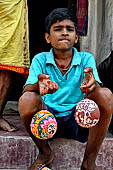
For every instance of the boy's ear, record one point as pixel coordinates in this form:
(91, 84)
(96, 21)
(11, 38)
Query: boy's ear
(76, 38)
(47, 37)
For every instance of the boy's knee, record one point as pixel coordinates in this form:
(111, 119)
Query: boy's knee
(28, 103)
(104, 93)
(103, 97)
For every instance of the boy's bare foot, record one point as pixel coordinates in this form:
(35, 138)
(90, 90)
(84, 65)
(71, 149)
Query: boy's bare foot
(4, 125)
(43, 159)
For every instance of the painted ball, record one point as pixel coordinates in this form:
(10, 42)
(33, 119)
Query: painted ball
(43, 125)
(87, 113)
(45, 168)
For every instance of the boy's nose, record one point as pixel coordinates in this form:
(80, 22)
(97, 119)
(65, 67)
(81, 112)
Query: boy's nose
(64, 31)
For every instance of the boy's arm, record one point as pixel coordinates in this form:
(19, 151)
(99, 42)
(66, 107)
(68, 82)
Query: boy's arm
(31, 88)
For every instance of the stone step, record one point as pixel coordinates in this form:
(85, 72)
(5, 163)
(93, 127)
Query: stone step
(17, 151)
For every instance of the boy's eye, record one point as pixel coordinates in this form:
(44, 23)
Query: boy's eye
(70, 29)
(57, 29)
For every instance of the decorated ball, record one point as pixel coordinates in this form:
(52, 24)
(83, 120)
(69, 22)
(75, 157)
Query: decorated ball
(43, 125)
(45, 168)
(87, 113)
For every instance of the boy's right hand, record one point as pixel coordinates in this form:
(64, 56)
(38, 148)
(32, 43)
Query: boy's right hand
(46, 86)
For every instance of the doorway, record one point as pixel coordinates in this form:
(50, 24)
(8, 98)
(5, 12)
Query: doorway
(37, 11)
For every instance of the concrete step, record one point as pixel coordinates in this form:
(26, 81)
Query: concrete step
(17, 151)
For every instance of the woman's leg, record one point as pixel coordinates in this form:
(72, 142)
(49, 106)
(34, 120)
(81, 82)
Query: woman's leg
(5, 90)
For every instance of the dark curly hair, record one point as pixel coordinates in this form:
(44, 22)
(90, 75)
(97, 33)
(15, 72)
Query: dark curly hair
(59, 14)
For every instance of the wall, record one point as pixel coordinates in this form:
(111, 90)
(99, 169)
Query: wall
(99, 39)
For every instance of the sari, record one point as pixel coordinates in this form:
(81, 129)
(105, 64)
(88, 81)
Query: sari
(14, 40)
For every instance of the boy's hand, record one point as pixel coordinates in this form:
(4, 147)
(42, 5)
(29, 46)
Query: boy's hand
(89, 81)
(46, 86)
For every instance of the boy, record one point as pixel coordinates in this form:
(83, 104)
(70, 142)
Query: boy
(57, 82)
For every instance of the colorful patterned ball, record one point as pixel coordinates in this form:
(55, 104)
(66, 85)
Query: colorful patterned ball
(43, 125)
(45, 168)
(87, 113)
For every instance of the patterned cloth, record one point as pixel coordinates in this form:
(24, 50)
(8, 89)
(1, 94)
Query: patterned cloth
(82, 15)
(14, 44)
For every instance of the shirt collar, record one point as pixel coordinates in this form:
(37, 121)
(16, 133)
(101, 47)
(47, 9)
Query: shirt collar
(76, 58)
(50, 57)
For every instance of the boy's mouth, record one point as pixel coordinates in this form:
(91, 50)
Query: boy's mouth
(64, 40)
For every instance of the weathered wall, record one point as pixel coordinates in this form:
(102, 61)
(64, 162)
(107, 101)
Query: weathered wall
(99, 39)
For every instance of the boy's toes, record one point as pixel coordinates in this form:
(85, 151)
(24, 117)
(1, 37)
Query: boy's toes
(41, 161)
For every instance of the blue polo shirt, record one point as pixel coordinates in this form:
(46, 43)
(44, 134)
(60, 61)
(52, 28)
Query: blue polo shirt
(68, 94)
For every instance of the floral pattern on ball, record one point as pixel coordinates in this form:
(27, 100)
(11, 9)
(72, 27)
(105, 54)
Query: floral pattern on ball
(87, 113)
(43, 125)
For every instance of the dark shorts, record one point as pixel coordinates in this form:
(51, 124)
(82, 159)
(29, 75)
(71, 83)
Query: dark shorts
(67, 127)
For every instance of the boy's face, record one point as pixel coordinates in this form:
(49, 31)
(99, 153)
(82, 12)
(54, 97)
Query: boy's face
(62, 35)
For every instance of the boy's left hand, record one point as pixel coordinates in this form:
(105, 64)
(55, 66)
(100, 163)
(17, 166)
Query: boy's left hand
(89, 81)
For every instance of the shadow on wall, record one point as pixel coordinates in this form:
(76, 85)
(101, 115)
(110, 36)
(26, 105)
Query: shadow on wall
(105, 70)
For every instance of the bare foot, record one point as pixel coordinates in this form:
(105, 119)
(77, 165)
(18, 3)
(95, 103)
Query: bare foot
(4, 125)
(42, 161)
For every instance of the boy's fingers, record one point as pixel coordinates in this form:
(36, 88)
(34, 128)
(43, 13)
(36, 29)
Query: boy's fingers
(88, 69)
(56, 85)
(43, 91)
(43, 76)
(47, 86)
(91, 88)
(91, 83)
(52, 85)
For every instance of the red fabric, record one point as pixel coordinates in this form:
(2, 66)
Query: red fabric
(81, 14)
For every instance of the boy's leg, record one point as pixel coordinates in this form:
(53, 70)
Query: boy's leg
(29, 104)
(104, 99)
(5, 89)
